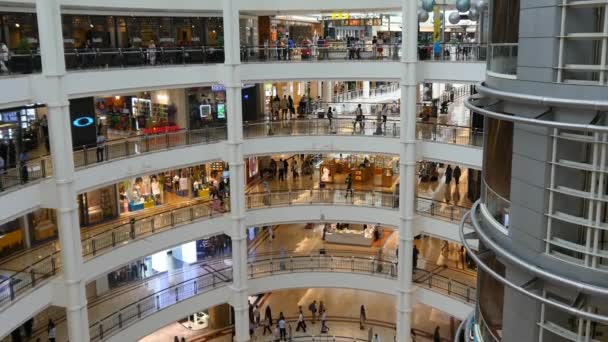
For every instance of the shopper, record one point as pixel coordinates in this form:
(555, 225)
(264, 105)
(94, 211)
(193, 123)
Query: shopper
(276, 105)
(276, 336)
(415, 253)
(359, 118)
(324, 327)
(101, 146)
(25, 176)
(448, 175)
(349, 185)
(292, 109)
(282, 327)
(152, 52)
(313, 311)
(267, 325)
(281, 170)
(362, 318)
(294, 169)
(321, 307)
(4, 57)
(284, 107)
(301, 322)
(376, 338)
(175, 339)
(51, 331)
(436, 335)
(457, 174)
(330, 117)
(268, 313)
(266, 192)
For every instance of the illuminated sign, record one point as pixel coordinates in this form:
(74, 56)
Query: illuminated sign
(83, 121)
(221, 111)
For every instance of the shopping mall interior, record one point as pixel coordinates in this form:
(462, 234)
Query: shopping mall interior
(368, 170)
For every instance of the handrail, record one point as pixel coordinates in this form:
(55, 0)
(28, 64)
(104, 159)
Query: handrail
(32, 275)
(325, 196)
(115, 149)
(583, 287)
(131, 313)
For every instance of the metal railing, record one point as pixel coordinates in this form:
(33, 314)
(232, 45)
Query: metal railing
(322, 196)
(328, 51)
(321, 263)
(451, 287)
(503, 58)
(449, 134)
(34, 275)
(431, 207)
(84, 156)
(125, 147)
(336, 126)
(456, 52)
(134, 312)
(23, 63)
(498, 206)
(126, 57)
(155, 223)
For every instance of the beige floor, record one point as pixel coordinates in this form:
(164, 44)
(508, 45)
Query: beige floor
(342, 305)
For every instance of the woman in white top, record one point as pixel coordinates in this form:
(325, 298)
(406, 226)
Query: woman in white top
(152, 52)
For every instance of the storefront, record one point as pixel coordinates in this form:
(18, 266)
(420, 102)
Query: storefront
(97, 206)
(365, 169)
(207, 106)
(35, 227)
(354, 234)
(21, 130)
(19, 30)
(141, 193)
(145, 113)
(132, 31)
(296, 28)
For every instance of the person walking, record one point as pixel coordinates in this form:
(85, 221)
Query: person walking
(28, 328)
(362, 318)
(313, 310)
(101, 146)
(457, 173)
(276, 105)
(294, 169)
(349, 185)
(376, 338)
(51, 331)
(292, 109)
(359, 118)
(282, 327)
(267, 324)
(284, 107)
(152, 52)
(324, 327)
(281, 170)
(4, 57)
(448, 175)
(301, 322)
(330, 117)
(415, 253)
(436, 335)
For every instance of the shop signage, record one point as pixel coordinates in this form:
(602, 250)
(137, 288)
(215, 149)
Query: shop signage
(97, 40)
(167, 40)
(221, 111)
(83, 121)
(218, 87)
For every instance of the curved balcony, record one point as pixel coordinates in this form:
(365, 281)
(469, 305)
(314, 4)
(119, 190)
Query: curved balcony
(264, 274)
(117, 149)
(36, 266)
(531, 268)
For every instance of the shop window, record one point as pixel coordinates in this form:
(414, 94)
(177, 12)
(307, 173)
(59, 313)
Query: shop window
(43, 224)
(11, 237)
(97, 206)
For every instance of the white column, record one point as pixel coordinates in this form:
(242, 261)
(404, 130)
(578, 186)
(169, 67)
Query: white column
(407, 166)
(365, 89)
(25, 231)
(53, 68)
(327, 91)
(237, 172)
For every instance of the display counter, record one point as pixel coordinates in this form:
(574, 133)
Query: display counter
(356, 237)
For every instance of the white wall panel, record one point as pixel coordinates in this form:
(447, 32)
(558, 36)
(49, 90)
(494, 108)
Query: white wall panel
(332, 70)
(15, 91)
(171, 314)
(319, 213)
(462, 155)
(447, 304)
(140, 248)
(451, 72)
(321, 144)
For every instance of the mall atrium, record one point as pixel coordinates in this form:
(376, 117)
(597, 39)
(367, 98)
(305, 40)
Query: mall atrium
(322, 170)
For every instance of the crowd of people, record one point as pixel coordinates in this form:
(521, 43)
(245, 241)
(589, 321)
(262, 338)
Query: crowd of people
(281, 329)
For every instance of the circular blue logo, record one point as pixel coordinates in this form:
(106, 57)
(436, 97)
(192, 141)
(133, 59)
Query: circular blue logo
(83, 121)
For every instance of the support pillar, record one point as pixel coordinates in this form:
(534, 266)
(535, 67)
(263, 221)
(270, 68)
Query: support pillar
(407, 166)
(327, 91)
(26, 233)
(366, 89)
(53, 68)
(233, 82)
